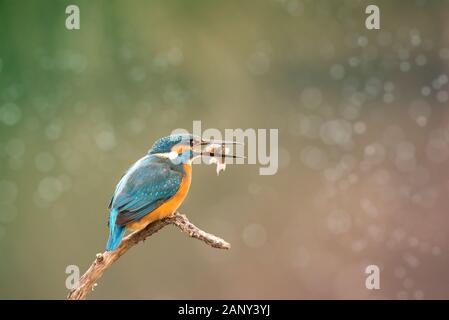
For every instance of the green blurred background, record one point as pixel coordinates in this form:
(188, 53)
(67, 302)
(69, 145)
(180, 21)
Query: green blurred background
(363, 136)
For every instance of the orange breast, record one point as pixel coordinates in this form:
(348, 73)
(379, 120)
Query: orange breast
(168, 207)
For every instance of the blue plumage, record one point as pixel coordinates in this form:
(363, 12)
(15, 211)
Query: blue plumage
(150, 182)
(116, 232)
(146, 185)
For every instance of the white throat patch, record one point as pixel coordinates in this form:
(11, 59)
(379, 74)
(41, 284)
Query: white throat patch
(168, 155)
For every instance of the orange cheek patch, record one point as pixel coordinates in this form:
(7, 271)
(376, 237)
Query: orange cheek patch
(180, 149)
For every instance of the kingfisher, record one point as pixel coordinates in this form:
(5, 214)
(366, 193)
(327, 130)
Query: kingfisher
(155, 185)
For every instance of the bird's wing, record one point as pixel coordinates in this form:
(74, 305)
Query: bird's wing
(146, 185)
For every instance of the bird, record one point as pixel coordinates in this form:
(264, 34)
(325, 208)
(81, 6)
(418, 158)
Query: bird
(155, 185)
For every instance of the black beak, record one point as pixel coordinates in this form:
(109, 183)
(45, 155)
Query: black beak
(219, 152)
(220, 142)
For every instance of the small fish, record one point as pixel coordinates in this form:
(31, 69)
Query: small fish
(217, 154)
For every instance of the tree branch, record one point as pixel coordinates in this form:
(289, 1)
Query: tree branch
(104, 260)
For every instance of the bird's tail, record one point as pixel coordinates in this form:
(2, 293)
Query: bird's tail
(115, 232)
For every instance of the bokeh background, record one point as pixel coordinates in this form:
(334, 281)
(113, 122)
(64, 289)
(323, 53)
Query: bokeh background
(363, 135)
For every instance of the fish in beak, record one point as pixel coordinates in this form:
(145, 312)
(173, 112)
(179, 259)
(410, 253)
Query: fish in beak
(218, 151)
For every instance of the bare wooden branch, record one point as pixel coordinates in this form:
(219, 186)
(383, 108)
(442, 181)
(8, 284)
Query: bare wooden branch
(104, 260)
